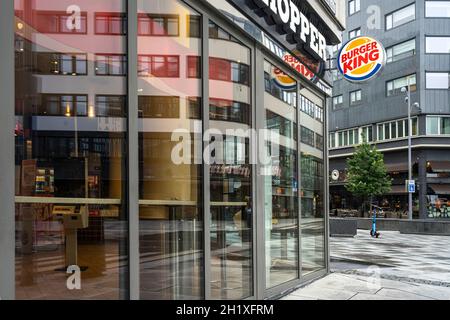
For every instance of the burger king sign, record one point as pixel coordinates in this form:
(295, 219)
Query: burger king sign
(361, 59)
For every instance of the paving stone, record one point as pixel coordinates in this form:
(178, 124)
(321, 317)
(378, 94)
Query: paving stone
(297, 297)
(324, 293)
(365, 296)
(400, 295)
(395, 266)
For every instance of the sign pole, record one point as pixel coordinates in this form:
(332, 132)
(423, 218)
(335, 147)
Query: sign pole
(410, 210)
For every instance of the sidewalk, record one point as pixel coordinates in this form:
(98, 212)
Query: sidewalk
(395, 266)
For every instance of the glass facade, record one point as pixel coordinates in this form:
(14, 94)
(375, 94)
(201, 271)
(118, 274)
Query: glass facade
(229, 148)
(70, 153)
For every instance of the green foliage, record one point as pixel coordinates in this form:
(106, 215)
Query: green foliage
(367, 174)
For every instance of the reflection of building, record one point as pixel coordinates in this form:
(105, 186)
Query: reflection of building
(417, 40)
(105, 97)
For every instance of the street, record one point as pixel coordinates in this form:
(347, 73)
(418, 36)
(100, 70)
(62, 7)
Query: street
(395, 266)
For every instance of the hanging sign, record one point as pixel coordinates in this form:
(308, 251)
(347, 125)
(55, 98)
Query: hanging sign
(290, 21)
(361, 59)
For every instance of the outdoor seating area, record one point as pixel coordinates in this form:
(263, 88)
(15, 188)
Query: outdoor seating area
(353, 213)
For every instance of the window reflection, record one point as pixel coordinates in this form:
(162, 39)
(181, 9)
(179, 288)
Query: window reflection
(231, 174)
(281, 180)
(312, 188)
(171, 213)
(70, 176)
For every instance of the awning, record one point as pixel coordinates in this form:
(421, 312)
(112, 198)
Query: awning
(397, 167)
(440, 166)
(398, 189)
(440, 188)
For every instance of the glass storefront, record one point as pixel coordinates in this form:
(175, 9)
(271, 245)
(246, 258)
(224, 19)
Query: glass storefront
(203, 91)
(70, 149)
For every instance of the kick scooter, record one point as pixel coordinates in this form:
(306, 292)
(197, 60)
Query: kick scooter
(373, 232)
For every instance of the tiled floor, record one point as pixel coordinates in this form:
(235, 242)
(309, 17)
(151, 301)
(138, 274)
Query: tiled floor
(36, 277)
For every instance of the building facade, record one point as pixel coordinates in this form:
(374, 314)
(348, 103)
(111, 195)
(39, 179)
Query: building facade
(163, 149)
(416, 35)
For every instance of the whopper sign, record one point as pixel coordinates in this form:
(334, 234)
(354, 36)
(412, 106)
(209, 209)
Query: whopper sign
(361, 59)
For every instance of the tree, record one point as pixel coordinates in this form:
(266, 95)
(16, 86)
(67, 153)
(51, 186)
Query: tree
(367, 176)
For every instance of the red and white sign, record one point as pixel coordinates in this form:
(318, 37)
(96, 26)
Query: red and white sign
(361, 59)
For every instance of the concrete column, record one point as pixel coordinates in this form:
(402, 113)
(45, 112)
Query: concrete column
(7, 177)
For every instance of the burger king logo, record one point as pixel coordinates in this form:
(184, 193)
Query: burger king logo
(361, 59)
(282, 80)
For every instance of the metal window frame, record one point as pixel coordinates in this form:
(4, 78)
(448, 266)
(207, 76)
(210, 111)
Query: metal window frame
(133, 152)
(7, 160)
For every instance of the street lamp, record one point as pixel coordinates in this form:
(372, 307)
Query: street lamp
(407, 90)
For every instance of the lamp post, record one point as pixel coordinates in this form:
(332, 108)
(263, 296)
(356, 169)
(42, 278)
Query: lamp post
(407, 90)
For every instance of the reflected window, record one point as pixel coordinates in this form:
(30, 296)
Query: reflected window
(319, 141)
(193, 67)
(158, 25)
(61, 22)
(307, 136)
(274, 85)
(63, 105)
(225, 110)
(194, 23)
(159, 107)
(280, 124)
(110, 65)
(216, 32)
(194, 108)
(159, 66)
(310, 108)
(110, 106)
(60, 63)
(226, 70)
(110, 23)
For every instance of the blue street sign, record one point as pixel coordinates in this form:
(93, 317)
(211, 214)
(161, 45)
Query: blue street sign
(411, 186)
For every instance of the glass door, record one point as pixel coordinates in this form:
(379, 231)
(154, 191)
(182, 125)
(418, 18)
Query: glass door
(170, 172)
(312, 182)
(231, 187)
(279, 174)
